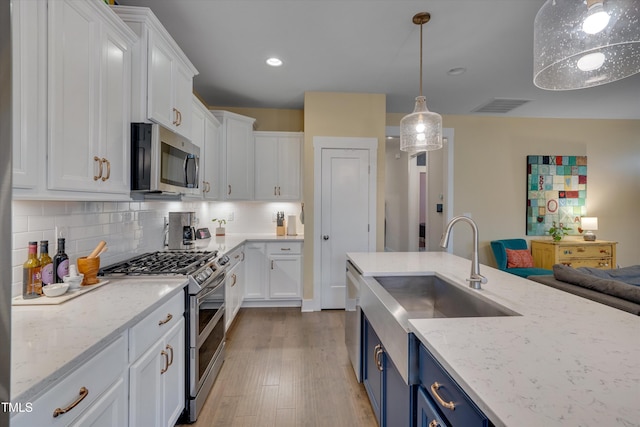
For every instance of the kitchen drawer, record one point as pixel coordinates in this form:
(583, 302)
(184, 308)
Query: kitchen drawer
(428, 415)
(465, 412)
(293, 248)
(95, 375)
(151, 328)
(585, 251)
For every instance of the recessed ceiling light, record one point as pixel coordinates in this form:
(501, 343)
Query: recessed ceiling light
(456, 71)
(274, 62)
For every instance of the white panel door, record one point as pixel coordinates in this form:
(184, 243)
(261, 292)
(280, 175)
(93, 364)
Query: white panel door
(344, 217)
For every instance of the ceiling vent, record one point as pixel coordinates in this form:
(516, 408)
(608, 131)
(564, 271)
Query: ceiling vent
(500, 105)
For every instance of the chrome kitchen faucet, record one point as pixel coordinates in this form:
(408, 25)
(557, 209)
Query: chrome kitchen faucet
(476, 278)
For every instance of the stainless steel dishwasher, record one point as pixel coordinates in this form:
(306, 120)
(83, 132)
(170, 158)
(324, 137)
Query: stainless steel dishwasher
(353, 317)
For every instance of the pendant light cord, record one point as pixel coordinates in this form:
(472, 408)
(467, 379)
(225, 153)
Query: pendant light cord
(421, 25)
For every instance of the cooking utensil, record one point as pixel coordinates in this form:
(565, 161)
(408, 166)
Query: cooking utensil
(96, 252)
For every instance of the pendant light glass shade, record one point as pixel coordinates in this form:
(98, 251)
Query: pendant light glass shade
(580, 44)
(421, 130)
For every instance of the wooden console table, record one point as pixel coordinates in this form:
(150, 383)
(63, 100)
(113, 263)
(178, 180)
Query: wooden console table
(574, 253)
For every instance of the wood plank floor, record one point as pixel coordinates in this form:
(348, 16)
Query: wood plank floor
(287, 368)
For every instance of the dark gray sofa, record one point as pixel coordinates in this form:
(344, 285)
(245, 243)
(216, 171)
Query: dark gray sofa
(611, 287)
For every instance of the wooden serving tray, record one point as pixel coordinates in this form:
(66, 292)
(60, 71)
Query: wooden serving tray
(45, 300)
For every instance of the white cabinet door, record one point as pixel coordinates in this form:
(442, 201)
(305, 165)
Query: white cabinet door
(237, 155)
(110, 410)
(157, 381)
(115, 113)
(290, 167)
(182, 94)
(174, 377)
(29, 73)
(255, 271)
(74, 60)
(266, 166)
(145, 388)
(211, 190)
(278, 165)
(285, 276)
(89, 98)
(160, 77)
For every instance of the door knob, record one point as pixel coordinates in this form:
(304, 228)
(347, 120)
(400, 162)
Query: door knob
(325, 237)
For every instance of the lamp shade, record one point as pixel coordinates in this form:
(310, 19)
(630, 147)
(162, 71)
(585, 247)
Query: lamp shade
(570, 53)
(589, 223)
(421, 130)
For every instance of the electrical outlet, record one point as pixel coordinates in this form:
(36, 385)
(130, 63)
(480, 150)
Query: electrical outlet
(230, 216)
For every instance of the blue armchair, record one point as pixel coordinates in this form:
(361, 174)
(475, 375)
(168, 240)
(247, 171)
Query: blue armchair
(500, 247)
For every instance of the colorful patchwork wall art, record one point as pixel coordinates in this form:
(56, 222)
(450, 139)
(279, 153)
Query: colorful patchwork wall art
(556, 191)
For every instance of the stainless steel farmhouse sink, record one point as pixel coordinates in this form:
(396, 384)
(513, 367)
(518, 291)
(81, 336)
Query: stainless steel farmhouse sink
(431, 297)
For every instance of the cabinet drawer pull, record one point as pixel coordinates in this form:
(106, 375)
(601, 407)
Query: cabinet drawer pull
(279, 191)
(179, 118)
(434, 423)
(168, 347)
(272, 264)
(166, 362)
(175, 117)
(285, 249)
(275, 191)
(434, 389)
(97, 159)
(229, 192)
(165, 320)
(84, 392)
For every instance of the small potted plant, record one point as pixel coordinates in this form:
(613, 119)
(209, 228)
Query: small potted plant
(558, 231)
(220, 229)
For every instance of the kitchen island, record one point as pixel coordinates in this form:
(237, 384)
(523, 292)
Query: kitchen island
(565, 361)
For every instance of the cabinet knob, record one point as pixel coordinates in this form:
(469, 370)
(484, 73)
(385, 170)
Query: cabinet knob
(325, 237)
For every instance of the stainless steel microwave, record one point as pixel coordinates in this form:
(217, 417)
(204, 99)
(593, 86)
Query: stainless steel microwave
(162, 161)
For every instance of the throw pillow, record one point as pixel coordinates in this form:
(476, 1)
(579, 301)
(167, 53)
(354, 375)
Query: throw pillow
(519, 258)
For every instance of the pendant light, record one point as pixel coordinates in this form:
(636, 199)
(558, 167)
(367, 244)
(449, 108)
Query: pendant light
(579, 44)
(421, 130)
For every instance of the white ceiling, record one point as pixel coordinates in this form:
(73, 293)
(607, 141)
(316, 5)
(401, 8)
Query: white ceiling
(371, 46)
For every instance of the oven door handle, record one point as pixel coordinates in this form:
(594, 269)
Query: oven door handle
(213, 288)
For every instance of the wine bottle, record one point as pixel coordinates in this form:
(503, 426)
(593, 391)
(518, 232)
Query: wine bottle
(46, 264)
(31, 280)
(60, 262)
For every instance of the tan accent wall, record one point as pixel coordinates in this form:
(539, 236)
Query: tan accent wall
(271, 119)
(490, 175)
(340, 114)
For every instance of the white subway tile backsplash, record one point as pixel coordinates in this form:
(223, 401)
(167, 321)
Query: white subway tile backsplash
(129, 228)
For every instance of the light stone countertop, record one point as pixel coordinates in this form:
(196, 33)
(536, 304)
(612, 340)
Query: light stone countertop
(48, 342)
(227, 243)
(566, 361)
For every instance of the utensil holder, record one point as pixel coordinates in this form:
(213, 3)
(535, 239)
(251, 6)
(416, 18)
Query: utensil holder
(89, 267)
(280, 230)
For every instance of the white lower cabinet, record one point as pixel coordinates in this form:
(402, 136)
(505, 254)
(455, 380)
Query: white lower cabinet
(273, 273)
(157, 372)
(95, 394)
(285, 270)
(234, 286)
(156, 391)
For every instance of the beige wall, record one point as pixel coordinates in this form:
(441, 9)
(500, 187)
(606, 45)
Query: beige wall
(340, 114)
(271, 119)
(489, 175)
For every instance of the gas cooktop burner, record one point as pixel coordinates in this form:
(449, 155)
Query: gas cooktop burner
(172, 262)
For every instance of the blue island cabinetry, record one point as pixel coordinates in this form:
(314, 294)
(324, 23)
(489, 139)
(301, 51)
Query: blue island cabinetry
(390, 396)
(439, 399)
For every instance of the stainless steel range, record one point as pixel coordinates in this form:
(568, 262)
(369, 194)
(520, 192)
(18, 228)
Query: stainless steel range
(205, 336)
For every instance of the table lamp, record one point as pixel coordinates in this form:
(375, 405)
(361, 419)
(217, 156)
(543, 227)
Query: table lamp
(589, 224)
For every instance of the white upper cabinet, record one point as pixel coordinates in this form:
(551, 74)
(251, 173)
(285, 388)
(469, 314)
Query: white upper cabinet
(237, 155)
(162, 74)
(89, 81)
(278, 170)
(205, 134)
